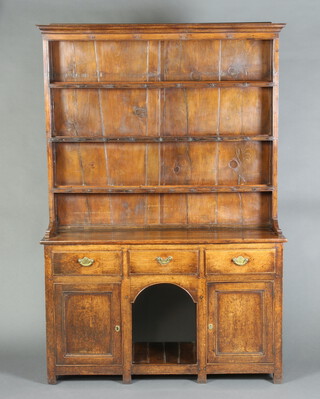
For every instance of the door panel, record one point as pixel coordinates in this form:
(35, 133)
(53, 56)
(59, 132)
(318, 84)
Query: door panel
(240, 322)
(86, 316)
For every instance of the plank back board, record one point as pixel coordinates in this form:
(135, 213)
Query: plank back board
(165, 125)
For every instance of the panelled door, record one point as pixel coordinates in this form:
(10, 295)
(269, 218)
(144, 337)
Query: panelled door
(87, 318)
(240, 322)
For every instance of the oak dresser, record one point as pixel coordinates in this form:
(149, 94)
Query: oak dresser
(162, 145)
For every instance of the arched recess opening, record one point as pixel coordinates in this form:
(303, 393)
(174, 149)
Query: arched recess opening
(164, 326)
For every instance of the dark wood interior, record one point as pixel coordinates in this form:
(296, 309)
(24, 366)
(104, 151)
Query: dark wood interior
(164, 353)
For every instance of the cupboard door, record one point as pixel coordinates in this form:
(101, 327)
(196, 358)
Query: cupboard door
(240, 322)
(87, 318)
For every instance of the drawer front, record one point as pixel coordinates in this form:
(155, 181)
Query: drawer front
(87, 263)
(163, 262)
(240, 261)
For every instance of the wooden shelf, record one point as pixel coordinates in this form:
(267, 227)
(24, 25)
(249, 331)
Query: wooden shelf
(164, 353)
(164, 139)
(161, 189)
(116, 235)
(161, 84)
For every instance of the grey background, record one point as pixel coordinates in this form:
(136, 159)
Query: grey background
(24, 185)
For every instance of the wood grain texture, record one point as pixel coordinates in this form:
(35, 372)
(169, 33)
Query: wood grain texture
(52, 226)
(86, 316)
(162, 84)
(50, 319)
(241, 314)
(259, 261)
(145, 262)
(162, 143)
(164, 139)
(211, 163)
(247, 209)
(180, 60)
(104, 262)
(187, 283)
(278, 305)
(191, 60)
(138, 32)
(228, 27)
(183, 111)
(163, 236)
(246, 59)
(202, 322)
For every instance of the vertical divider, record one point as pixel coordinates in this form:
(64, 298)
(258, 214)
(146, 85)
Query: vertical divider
(126, 312)
(275, 100)
(278, 303)
(49, 129)
(202, 320)
(161, 99)
(50, 319)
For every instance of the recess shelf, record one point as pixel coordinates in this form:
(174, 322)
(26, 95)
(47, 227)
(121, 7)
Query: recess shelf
(164, 139)
(161, 84)
(160, 189)
(164, 353)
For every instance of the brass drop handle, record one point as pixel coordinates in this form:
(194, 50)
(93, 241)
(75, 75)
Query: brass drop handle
(117, 328)
(163, 261)
(86, 262)
(240, 260)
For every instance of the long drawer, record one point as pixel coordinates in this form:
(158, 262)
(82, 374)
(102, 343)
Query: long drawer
(240, 261)
(163, 261)
(87, 263)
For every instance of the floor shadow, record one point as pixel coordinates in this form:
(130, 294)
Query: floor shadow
(266, 377)
(137, 378)
(111, 378)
